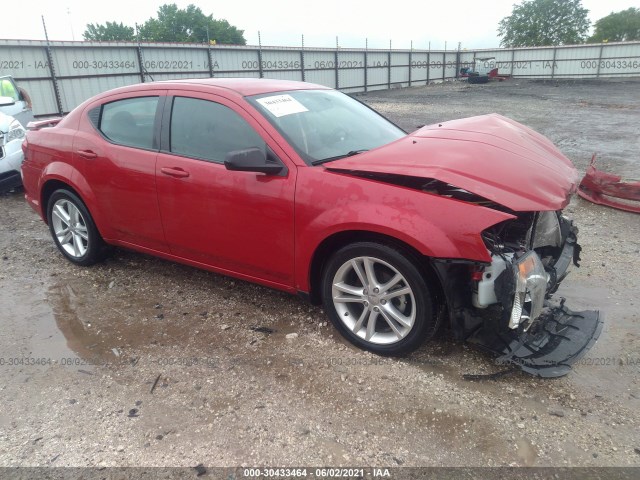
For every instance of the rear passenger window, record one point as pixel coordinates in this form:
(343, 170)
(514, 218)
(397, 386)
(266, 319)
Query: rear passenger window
(208, 130)
(130, 122)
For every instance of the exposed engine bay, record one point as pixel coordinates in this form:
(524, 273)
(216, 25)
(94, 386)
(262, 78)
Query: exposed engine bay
(530, 257)
(511, 312)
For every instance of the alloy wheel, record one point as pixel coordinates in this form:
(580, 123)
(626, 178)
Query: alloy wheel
(374, 300)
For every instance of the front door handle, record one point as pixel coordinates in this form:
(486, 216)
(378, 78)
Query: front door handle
(174, 172)
(88, 154)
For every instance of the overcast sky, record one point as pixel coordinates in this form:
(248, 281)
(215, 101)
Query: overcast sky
(282, 22)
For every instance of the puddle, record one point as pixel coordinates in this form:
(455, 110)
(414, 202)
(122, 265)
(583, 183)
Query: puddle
(28, 320)
(73, 322)
(65, 324)
(79, 324)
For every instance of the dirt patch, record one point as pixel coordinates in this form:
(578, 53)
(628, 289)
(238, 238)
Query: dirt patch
(138, 361)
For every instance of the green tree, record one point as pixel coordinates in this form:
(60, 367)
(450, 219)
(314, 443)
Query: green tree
(189, 25)
(535, 23)
(109, 32)
(620, 26)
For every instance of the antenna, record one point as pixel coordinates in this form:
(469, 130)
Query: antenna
(73, 36)
(46, 35)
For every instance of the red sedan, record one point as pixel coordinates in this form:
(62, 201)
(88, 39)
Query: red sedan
(302, 188)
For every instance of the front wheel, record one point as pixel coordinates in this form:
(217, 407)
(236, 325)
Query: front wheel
(377, 298)
(72, 228)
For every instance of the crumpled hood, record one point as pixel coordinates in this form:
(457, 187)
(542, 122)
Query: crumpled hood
(491, 156)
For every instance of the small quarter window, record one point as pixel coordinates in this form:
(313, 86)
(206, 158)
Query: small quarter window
(208, 130)
(130, 122)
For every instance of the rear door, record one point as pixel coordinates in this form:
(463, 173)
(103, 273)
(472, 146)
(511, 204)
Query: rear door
(116, 150)
(237, 222)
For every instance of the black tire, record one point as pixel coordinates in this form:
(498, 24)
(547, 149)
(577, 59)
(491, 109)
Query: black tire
(477, 79)
(352, 318)
(78, 249)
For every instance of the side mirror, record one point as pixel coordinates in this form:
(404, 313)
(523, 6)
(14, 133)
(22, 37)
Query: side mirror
(7, 101)
(251, 160)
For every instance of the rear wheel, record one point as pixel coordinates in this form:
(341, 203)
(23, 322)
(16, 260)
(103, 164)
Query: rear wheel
(378, 299)
(72, 228)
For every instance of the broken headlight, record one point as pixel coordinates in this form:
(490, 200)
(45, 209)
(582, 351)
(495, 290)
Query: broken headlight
(547, 230)
(530, 289)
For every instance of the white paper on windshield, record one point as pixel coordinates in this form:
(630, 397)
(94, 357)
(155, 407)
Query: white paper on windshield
(281, 105)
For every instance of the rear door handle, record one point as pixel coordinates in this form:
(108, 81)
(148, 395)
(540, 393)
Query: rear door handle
(174, 172)
(88, 154)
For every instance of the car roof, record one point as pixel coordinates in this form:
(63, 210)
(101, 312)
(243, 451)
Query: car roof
(242, 86)
(239, 87)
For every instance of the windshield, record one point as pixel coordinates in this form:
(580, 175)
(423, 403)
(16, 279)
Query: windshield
(324, 125)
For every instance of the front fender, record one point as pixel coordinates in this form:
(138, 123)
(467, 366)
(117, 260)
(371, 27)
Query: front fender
(328, 203)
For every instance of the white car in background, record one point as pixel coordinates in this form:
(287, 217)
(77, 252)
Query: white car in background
(11, 136)
(15, 113)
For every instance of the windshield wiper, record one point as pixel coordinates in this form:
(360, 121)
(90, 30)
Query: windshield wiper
(338, 157)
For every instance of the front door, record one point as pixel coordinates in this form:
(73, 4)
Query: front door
(236, 222)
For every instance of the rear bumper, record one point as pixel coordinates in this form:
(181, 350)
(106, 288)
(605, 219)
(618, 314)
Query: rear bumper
(30, 177)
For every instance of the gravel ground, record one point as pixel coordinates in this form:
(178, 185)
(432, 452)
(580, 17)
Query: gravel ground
(149, 363)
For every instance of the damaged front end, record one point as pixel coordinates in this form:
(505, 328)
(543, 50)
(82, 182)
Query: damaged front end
(511, 312)
(501, 301)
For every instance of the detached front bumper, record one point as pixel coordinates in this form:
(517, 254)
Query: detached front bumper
(608, 189)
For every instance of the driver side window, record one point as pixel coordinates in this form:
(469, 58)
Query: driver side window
(208, 131)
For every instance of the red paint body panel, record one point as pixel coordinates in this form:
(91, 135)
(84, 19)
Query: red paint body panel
(122, 184)
(246, 86)
(266, 228)
(608, 189)
(51, 160)
(247, 217)
(491, 156)
(328, 203)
